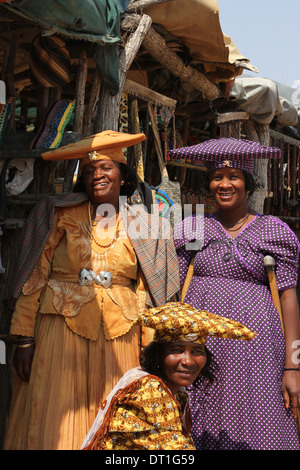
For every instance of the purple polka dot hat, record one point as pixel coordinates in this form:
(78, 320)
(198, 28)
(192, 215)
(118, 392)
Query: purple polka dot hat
(225, 152)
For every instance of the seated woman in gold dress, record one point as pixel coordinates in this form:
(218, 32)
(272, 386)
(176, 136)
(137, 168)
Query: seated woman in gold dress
(149, 408)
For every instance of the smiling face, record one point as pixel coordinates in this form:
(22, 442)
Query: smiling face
(227, 186)
(182, 363)
(102, 180)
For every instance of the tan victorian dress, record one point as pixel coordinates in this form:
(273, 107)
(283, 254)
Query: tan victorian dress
(84, 334)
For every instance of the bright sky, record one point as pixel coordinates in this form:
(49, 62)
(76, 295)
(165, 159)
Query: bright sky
(267, 32)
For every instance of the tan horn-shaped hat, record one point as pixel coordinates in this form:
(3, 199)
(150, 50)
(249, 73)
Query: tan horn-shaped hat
(175, 322)
(106, 145)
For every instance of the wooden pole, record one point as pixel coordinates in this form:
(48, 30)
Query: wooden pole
(188, 279)
(92, 105)
(42, 105)
(80, 93)
(269, 263)
(109, 105)
(258, 133)
(157, 47)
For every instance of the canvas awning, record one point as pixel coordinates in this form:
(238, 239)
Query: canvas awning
(261, 98)
(195, 23)
(192, 23)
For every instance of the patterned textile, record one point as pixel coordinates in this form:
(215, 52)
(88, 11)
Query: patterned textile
(50, 63)
(123, 124)
(164, 203)
(123, 118)
(225, 152)
(142, 415)
(135, 129)
(157, 257)
(156, 254)
(177, 321)
(5, 110)
(51, 131)
(244, 408)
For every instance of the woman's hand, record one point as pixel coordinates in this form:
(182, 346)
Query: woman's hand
(290, 387)
(290, 390)
(23, 359)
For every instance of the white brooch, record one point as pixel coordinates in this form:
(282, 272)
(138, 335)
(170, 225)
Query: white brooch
(87, 277)
(93, 155)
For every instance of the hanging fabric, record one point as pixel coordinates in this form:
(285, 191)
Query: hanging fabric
(167, 194)
(144, 194)
(135, 129)
(124, 117)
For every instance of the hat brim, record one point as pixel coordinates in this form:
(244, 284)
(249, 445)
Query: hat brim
(102, 141)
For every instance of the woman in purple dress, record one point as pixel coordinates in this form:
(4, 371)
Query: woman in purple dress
(256, 396)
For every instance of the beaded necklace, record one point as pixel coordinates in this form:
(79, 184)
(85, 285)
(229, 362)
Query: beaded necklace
(107, 245)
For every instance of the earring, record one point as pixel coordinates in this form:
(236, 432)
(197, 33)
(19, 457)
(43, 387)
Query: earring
(122, 183)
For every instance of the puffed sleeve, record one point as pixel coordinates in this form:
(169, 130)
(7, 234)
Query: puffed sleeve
(27, 305)
(188, 237)
(280, 242)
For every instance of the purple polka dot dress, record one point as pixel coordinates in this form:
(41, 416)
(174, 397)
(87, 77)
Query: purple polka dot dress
(243, 409)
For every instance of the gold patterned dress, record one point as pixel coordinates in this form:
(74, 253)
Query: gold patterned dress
(141, 413)
(85, 339)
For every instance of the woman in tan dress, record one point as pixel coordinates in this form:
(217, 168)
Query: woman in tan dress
(74, 317)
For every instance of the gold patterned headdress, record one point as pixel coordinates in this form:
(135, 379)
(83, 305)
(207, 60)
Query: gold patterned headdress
(176, 322)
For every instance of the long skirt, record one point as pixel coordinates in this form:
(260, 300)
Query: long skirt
(70, 378)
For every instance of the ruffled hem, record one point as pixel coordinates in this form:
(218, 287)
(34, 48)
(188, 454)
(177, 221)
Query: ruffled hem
(21, 331)
(118, 335)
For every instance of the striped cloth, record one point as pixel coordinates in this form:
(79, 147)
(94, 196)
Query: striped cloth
(51, 131)
(157, 256)
(50, 63)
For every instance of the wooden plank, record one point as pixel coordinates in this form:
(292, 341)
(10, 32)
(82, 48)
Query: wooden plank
(140, 91)
(12, 223)
(140, 4)
(90, 112)
(284, 138)
(27, 153)
(187, 165)
(232, 116)
(80, 92)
